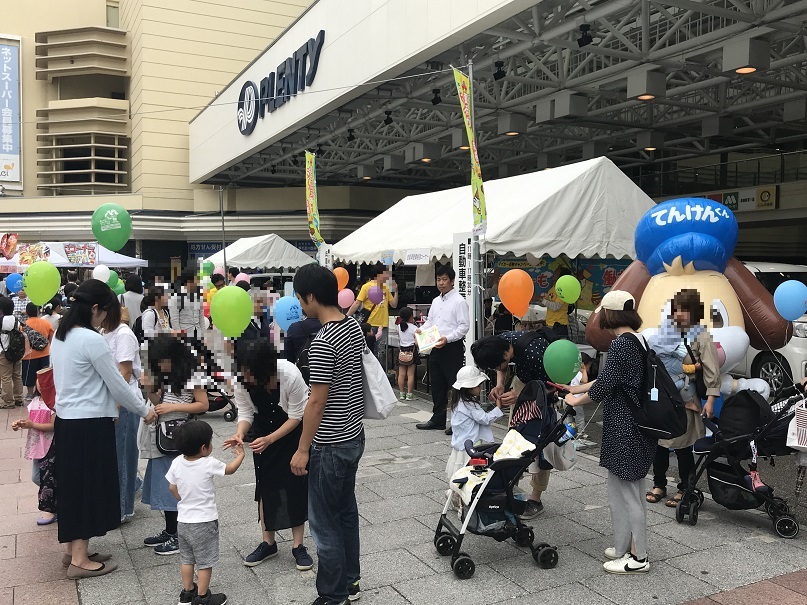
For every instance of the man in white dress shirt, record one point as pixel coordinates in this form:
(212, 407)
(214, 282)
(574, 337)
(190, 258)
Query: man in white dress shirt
(449, 312)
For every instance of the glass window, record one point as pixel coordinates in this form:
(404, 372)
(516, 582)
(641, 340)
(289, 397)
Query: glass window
(112, 14)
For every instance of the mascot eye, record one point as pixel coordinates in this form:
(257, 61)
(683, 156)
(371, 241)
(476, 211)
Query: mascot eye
(718, 316)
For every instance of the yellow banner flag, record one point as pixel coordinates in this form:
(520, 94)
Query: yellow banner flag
(465, 91)
(311, 198)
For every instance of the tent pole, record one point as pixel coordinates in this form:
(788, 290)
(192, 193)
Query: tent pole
(476, 257)
(223, 234)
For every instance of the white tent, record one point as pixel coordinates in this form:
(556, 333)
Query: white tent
(263, 252)
(114, 259)
(587, 209)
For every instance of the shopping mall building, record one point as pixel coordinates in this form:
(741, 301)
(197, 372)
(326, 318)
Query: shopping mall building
(180, 109)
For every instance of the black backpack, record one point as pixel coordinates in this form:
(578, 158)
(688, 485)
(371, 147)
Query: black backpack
(16, 343)
(302, 362)
(660, 413)
(137, 328)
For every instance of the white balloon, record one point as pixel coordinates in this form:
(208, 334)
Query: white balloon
(101, 273)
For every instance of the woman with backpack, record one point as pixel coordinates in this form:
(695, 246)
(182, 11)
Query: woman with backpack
(12, 350)
(626, 452)
(156, 318)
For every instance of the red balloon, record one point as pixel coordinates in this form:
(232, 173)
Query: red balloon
(516, 289)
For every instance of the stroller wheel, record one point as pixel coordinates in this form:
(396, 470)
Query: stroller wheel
(525, 536)
(777, 508)
(786, 526)
(445, 544)
(463, 567)
(680, 511)
(693, 513)
(546, 557)
(229, 415)
(699, 495)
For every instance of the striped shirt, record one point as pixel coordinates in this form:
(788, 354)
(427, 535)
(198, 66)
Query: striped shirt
(335, 359)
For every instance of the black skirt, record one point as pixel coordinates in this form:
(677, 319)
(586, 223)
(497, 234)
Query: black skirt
(88, 499)
(284, 495)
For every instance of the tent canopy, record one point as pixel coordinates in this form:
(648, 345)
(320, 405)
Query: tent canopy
(265, 252)
(587, 209)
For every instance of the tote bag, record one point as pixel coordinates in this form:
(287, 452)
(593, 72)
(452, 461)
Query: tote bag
(562, 457)
(379, 398)
(797, 430)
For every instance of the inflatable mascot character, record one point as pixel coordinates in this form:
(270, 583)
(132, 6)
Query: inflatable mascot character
(688, 243)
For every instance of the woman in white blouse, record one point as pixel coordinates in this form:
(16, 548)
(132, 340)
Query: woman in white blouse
(271, 396)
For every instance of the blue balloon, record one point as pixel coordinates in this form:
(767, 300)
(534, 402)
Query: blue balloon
(287, 311)
(790, 299)
(14, 283)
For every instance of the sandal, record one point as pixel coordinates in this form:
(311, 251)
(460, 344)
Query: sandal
(673, 502)
(656, 495)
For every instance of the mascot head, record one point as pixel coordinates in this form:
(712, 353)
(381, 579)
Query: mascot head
(688, 244)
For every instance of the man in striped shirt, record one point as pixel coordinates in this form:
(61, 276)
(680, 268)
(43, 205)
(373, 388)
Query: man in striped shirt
(332, 442)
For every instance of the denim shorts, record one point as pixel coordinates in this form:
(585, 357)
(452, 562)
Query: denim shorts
(199, 544)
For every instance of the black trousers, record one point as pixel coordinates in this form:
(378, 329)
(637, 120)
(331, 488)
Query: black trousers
(686, 464)
(444, 364)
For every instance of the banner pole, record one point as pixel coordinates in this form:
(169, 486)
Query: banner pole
(223, 234)
(476, 256)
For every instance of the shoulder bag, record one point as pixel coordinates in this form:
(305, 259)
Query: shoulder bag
(379, 398)
(165, 434)
(36, 339)
(700, 384)
(363, 315)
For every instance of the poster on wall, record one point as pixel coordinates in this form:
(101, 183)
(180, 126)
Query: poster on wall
(596, 276)
(10, 146)
(8, 245)
(81, 253)
(32, 253)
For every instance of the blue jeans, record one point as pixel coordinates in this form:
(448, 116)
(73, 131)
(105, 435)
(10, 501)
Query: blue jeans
(333, 516)
(127, 450)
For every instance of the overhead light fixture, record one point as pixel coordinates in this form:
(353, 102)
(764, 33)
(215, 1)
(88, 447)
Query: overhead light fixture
(365, 173)
(388, 119)
(545, 161)
(564, 105)
(274, 169)
(499, 73)
(393, 162)
(459, 139)
(350, 136)
(594, 149)
(650, 140)
(717, 126)
(436, 99)
(512, 124)
(422, 153)
(647, 85)
(746, 56)
(585, 36)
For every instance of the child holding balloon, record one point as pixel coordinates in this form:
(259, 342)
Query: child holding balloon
(407, 354)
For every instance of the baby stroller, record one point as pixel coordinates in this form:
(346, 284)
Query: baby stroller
(749, 428)
(219, 397)
(490, 507)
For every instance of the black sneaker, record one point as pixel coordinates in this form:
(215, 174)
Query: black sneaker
(532, 510)
(302, 558)
(210, 599)
(260, 554)
(324, 601)
(354, 592)
(160, 538)
(186, 596)
(169, 547)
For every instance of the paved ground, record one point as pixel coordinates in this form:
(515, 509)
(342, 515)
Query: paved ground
(401, 494)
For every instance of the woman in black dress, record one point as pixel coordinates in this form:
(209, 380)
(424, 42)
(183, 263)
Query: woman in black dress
(271, 396)
(625, 452)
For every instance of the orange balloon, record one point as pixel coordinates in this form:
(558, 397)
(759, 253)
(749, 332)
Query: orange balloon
(516, 289)
(341, 277)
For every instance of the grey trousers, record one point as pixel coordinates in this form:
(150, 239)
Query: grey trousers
(628, 515)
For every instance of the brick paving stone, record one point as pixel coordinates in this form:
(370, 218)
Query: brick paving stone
(60, 592)
(796, 581)
(761, 592)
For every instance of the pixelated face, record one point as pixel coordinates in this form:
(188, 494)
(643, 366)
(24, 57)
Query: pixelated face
(165, 365)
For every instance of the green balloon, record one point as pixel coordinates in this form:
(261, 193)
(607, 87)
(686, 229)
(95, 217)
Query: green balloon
(231, 309)
(119, 288)
(568, 289)
(112, 226)
(208, 268)
(113, 280)
(562, 361)
(41, 282)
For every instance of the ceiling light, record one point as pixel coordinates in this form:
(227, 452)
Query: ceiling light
(499, 73)
(746, 56)
(436, 99)
(422, 153)
(650, 140)
(365, 173)
(388, 119)
(459, 139)
(350, 136)
(647, 85)
(512, 124)
(585, 37)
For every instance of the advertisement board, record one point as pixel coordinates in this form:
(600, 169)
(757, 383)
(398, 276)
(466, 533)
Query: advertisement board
(10, 115)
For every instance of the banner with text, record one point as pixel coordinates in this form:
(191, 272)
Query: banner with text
(465, 92)
(311, 198)
(81, 253)
(463, 266)
(10, 157)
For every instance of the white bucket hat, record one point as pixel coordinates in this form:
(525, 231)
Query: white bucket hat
(469, 377)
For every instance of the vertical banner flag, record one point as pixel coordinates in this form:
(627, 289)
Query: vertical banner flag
(10, 158)
(464, 90)
(311, 198)
(463, 265)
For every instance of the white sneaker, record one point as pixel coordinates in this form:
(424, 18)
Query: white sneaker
(610, 554)
(403, 396)
(626, 565)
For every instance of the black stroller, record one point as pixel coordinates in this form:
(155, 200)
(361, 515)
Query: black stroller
(494, 510)
(220, 398)
(749, 428)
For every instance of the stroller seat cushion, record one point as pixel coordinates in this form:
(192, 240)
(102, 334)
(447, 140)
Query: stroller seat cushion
(704, 445)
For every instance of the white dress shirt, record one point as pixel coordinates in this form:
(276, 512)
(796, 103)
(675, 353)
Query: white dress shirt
(449, 312)
(293, 394)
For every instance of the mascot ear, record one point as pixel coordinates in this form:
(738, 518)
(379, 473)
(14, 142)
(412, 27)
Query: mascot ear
(765, 327)
(634, 279)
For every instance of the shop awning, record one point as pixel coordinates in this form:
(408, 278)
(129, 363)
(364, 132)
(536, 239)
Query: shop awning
(263, 252)
(588, 209)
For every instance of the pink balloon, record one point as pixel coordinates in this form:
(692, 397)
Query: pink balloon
(346, 298)
(220, 271)
(376, 295)
(241, 277)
